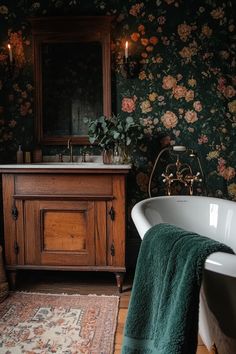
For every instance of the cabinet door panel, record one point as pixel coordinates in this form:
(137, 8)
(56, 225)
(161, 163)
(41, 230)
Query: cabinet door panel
(64, 230)
(59, 233)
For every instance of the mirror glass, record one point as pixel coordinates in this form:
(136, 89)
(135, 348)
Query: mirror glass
(72, 73)
(72, 86)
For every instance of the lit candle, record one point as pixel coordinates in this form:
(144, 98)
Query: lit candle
(10, 53)
(126, 49)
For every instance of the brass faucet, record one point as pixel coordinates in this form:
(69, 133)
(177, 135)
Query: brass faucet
(178, 171)
(183, 174)
(70, 147)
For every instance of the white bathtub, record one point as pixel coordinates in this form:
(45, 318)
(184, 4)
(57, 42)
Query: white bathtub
(214, 218)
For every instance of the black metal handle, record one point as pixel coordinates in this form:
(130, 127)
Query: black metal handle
(112, 249)
(16, 247)
(14, 212)
(112, 213)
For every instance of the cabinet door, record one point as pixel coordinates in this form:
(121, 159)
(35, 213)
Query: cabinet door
(59, 233)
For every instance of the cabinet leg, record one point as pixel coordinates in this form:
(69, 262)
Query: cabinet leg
(213, 349)
(12, 279)
(119, 281)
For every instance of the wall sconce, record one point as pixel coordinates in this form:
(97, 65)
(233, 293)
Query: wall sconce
(129, 68)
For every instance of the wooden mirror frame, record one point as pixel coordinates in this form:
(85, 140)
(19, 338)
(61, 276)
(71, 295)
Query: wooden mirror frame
(69, 29)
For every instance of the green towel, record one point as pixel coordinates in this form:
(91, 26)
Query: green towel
(163, 311)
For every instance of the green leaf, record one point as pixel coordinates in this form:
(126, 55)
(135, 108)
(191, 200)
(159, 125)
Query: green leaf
(116, 135)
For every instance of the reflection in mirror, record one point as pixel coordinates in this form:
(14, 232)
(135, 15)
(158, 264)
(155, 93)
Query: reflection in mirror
(72, 76)
(72, 86)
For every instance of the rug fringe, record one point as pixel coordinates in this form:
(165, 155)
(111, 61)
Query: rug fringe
(61, 294)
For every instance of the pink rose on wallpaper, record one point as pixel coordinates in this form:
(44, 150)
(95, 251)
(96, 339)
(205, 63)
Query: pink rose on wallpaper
(228, 173)
(25, 108)
(168, 82)
(179, 92)
(203, 139)
(169, 120)
(229, 91)
(191, 116)
(161, 20)
(221, 165)
(221, 84)
(197, 106)
(128, 104)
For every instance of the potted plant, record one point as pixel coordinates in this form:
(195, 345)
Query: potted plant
(116, 134)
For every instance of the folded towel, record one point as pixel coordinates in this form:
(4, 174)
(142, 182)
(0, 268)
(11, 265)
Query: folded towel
(163, 311)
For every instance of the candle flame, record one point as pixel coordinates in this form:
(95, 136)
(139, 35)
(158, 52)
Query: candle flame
(9, 46)
(126, 44)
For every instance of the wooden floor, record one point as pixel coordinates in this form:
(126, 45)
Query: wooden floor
(84, 283)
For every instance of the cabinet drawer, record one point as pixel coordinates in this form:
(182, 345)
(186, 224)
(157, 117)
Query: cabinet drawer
(55, 184)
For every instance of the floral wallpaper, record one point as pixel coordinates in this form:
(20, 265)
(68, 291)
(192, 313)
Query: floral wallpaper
(184, 92)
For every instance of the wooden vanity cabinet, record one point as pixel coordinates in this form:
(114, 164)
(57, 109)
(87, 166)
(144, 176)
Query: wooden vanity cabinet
(70, 220)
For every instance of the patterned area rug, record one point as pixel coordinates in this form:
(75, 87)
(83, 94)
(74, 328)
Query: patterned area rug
(33, 323)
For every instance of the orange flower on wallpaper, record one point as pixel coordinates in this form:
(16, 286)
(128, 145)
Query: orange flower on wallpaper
(144, 55)
(191, 116)
(142, 75)
(168, 82)
(136, 9)
(149, 48)
(188, 52)
(16, 41)
(206, 31)
(152, 96)
(169, 120)
(25, 108)
(141, 29)
(192, 82)
(184, 31)
(232, 190)
(144, 41)
(229, 91)
(153, 40)
(232, 106)
(146, 106)
(135, 36)
(218, 13)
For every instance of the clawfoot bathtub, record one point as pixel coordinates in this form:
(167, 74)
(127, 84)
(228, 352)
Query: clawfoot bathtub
(214, 218)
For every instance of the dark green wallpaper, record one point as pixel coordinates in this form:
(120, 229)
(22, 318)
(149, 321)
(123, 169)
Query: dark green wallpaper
(185, 88)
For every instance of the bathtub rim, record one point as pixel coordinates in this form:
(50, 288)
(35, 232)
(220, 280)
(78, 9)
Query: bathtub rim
(219, 262)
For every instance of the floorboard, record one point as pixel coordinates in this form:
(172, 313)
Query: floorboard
(85, 283)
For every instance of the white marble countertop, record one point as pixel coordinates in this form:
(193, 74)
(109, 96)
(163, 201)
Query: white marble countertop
(65, 165)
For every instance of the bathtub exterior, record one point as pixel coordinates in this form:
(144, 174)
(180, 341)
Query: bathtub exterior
(211, 217)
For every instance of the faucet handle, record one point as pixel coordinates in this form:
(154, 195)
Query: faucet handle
(60, 158)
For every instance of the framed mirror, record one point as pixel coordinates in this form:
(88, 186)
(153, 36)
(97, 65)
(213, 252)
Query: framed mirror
(72, 76)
